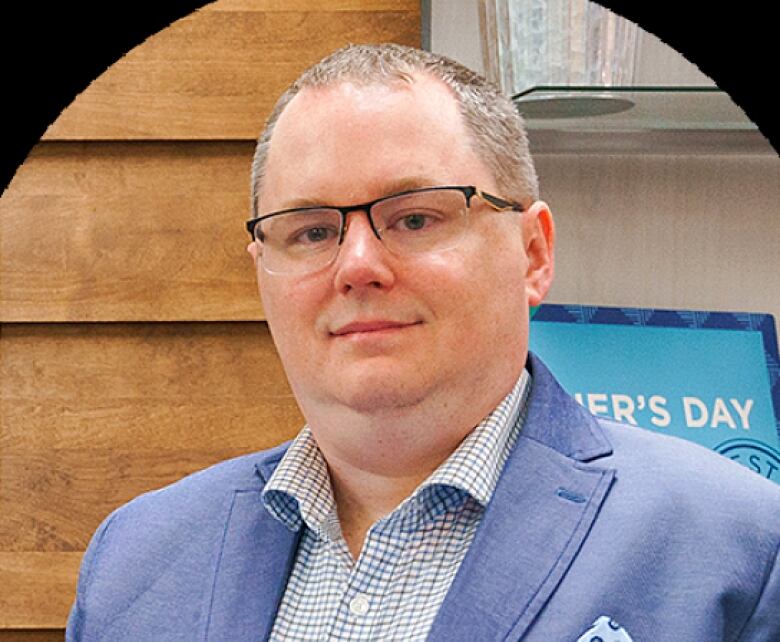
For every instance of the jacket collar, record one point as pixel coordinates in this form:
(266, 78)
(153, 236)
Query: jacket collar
(556, 420)
(268, 460)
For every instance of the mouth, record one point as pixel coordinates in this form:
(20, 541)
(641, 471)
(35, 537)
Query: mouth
(372, 327)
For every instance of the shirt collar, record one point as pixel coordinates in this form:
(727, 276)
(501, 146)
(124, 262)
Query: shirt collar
(299, 490)
(476, 464)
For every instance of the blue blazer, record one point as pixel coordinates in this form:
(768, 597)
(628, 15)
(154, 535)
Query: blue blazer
(590, 518)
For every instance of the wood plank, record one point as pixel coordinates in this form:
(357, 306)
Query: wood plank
(128, 232)
(36, 590)
(32, 635)
(312, 5)
(95, 414)
(215, 74)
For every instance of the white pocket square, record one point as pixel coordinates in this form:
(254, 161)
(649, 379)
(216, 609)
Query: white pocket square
(605, 629)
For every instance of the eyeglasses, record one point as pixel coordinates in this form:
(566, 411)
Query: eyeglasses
(430, 219)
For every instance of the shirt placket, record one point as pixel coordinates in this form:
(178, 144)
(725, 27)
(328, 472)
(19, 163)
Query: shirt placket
(362, 609)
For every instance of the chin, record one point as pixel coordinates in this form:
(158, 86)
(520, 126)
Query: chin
(371, 397)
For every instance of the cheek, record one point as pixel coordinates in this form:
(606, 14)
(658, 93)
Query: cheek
(289, 297)
(499, 299)
(290, 311)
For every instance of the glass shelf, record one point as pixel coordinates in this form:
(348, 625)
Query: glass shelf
(638, 119)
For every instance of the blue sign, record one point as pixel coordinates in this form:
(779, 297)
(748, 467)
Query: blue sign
(709, 377)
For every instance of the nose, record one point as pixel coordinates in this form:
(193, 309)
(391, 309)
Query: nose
(362, 261)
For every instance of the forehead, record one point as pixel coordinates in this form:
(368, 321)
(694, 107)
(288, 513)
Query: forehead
(351, 142)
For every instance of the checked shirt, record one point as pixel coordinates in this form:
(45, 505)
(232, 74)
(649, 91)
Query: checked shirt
(409, 557)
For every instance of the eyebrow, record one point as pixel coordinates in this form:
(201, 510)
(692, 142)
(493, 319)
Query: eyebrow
(388, 189)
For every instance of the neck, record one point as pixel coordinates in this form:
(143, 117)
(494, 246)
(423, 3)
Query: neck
(363, 497)
(376, 461)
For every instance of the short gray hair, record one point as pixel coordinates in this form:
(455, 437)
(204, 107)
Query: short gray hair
(498, 135)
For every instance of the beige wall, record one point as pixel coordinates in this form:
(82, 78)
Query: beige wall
(696, 232)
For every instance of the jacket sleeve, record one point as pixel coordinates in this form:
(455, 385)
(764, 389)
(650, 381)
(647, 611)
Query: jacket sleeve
(764, 623)
(77, 629)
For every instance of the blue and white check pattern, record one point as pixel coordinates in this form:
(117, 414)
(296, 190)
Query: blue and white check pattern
(409, 557)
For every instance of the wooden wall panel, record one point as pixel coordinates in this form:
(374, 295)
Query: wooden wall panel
(128, 232)
(36, 591)
(93, 415)
(32, 635)
(215, 74)
(312, 5)
(132, 210)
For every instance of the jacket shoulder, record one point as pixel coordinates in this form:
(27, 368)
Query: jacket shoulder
(692, 489)
(677, 465)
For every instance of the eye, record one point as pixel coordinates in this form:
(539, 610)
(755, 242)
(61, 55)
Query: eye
(313, 235)
(414, 221)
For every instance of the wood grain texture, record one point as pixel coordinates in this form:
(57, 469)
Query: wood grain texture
(128, 232)
(310, 5)
(215, 74)
(36, 591)
(32, 635)
(95, 414)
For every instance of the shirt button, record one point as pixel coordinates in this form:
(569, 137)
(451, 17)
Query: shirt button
(359, 604)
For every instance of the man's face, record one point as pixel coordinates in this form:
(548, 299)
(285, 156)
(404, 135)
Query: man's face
(444, 325)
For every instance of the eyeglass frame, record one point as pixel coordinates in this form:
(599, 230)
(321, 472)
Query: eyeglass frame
(469, 191)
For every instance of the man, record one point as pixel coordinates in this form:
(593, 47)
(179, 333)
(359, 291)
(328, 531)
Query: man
(444, 487)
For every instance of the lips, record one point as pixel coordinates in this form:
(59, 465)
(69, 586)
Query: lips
(371, 326)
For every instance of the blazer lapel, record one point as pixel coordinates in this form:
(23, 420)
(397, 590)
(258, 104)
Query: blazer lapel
(253, 563)
(541, 512)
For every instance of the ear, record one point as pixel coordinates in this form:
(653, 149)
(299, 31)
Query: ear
(253, 251)
(539, 240)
